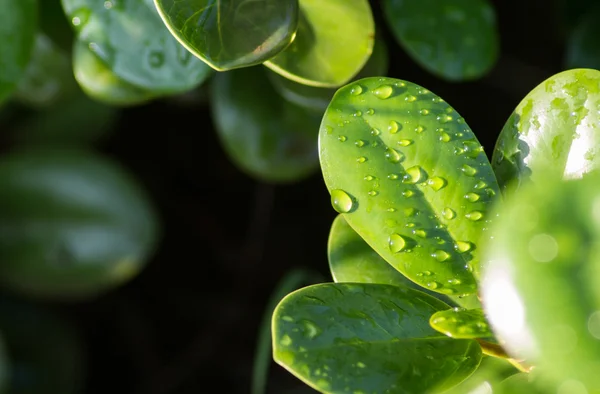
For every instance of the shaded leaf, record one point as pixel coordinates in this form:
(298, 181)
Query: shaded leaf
(461, 323)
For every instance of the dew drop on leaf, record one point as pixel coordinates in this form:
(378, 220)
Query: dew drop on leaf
(383, 92)
(341, 201)
(396, 243)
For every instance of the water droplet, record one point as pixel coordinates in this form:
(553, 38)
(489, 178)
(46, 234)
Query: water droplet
(440, 255)
(474, 215)
(480, 185)
(311, 329)
(405, 142)
(427, 273)
(391, 209)
(437, 183)
(375, 132)
(472, 197)
(454, 281)
(393, 156)
(359, 143)
(370, 111)
(356, 90)
(414, 174)
(374, 144)
(433, 285)
(361, 159)
(393, 127)
(341, 201)
(361, 365)
(357, 114)
(410, 98)
(468, 170)
(342, 138)
(424, 112)
(392, 177)
(448, 213)
(373, 193)
(156, 59)
(383, 92)
(410, 225)
(463, 246)
(420, 233)
(285, 340)
(369, 178)
(444, 118)
(328, 129)
(419, 129)
(408, 212)
(80, 18)
(445, 137)
(408, 193)
(472, 149)
(396, 243)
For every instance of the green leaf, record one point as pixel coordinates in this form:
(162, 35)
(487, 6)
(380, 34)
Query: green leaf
(411, 179)
(486, 378)
(133, 42)
(552, 131)
(18, 25)
(318, 99)
(348, 338)
(456, 40)
(540, 284)
(48, 76)
(266, 137)
(45, 349)
(582, 47)
(229, 34)
(524, 383)
(100, 83)
(328, 51)
(352, 260)
(72, 225)
(461, 323)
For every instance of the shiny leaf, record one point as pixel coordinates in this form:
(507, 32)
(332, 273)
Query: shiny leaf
(553, 131)
(133, 42)
(328, 51)
(18, 26)
(230, 34)
(266, 137)
(540, 284)
(72, 225)
(348, 338)
(462, 323)
(453, 39)
(411, 179)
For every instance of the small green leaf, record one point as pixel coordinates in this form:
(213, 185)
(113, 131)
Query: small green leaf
(328, 51)
(461, 323)
(368, 338)
(267, 137)
(100, 83)
(454, 40)
(229, 34)
(133, 42)
(18, 26)
(417, 183)
(540, 286)
(318, 99)
(48, 76)
(553, 131)
(72, 225)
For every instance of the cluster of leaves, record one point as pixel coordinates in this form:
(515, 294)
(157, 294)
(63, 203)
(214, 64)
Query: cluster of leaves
(441, 259)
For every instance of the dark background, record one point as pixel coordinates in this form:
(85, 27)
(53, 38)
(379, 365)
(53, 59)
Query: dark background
(189, 322)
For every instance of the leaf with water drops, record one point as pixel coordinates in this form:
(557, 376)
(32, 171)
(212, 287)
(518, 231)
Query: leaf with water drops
(318, 98)
(368, 338)
(352, 260)
(454, 40)
(540, 287)
(133, 42)
(424, 208)
(72, 225)
(552, 132)
(462, 323)
(229, 34)
(267, 137)
(328, 51)
(100, 83)
(18, 26)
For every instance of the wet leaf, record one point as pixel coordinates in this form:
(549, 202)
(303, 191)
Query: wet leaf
(133, 42)
(454, 40)
(552, 132)
(539, 287)
(72, 225)
(328, 51)
(368, 338)
(462, 323)
(411, 179)
(230, 34)
(18, 26)
(267, 137)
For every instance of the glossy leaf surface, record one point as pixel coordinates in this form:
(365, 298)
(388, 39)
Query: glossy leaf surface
(72, 225)
(553, 131)
(582, 48)
(368, 338)
(522, 383)
(328, 51)
(230, 34)
(318, 98)
(100, 83)
(18, 26)
(461, 323)
(133, 42)
(455, 40)
(267, 137)
(486, 378)
(540, 285)
(410, 178)
(352, 260)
